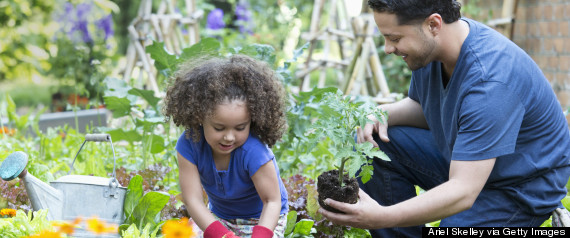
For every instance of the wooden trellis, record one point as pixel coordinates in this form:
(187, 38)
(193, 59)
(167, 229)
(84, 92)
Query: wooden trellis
(366, 75)
(330, 34)
(359, 69)
(163, 26)
(505, 24)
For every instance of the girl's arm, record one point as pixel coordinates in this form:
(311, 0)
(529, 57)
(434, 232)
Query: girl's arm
(267, 185)
(194, 201)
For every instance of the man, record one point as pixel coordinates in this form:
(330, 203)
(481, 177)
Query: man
(481, 131)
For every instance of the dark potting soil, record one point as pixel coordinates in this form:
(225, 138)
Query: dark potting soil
(329, 187)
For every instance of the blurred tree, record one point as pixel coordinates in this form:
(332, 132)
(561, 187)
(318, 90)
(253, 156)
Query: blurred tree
(24, 36)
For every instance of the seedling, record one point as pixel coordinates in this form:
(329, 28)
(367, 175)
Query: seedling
(338, 119)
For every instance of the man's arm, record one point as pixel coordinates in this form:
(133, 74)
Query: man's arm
(466, 180)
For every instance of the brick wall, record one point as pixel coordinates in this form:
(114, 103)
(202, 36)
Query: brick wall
(542, 29)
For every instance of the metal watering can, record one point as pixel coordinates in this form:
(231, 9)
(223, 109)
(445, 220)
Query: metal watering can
(71, 196)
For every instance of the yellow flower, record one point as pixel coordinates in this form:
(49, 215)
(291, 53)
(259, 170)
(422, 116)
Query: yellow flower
(7, 212)
(67, 228)
(178, 229)
(46, 234)
(100, 227)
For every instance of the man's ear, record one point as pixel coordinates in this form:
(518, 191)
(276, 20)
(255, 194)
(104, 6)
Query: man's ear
(434, 23)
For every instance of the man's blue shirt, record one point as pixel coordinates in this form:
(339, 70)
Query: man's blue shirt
(498, 104)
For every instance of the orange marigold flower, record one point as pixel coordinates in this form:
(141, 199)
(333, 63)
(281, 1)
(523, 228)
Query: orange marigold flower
(7, 212)
(100, 227)
(46, 234)
(7, 131)
(66, 227)
(178, 229)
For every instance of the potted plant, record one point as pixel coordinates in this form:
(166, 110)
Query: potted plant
(338, 118)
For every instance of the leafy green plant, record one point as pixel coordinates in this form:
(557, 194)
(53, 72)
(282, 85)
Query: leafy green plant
(142, 209)
(301, 229)
(23, 225)
(133, 232)
(339, 118)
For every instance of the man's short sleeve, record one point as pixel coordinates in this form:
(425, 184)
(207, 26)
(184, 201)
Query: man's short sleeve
(489, 122)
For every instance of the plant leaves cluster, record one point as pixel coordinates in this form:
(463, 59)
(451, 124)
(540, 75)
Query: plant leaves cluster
(337, 118)
(142, 208)
(24, 224)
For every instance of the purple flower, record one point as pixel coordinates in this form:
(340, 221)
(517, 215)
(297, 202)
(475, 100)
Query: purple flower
(243, 18)
(106, 24)
(216, 19)
(82, 27)
(79, 22)
(242, 12)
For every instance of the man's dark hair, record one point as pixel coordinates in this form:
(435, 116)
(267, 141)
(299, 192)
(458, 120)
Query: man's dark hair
(412, 11)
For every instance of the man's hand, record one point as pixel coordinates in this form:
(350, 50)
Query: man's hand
(365, 134)
(363, 214)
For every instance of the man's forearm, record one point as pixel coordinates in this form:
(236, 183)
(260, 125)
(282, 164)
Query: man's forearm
(466, 180)
(405, 112)
(430, 206)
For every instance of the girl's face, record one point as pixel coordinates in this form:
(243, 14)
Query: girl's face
(228, 128)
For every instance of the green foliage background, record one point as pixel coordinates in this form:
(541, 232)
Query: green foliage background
(30, 71)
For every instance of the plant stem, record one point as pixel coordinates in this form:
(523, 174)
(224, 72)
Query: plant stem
(75, 109)
(341, 171)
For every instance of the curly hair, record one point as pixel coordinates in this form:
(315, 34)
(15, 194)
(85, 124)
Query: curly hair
(202, 84)
(412, 11)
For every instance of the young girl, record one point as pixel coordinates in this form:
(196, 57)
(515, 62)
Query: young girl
(233, 110)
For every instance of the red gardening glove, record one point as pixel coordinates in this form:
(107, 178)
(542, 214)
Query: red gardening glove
(261, 232)
(217, 230)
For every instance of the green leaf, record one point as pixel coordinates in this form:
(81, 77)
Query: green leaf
(566, 202)
(148, 95)
(148, 123)
(128, 231)
(316, 94)
(366, 173)
(119, 106)
(133, 196)
(157, 143)
(206, 47)
(313, 203)
(129, 136)
(149, 207)
(165, 62)
(261, 52)
(117, 87)
(304, 227)
(352, 232)
(291, 219)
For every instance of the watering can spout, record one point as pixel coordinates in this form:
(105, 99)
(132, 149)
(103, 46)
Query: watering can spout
(42, 195)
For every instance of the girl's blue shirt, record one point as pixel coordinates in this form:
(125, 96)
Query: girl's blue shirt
(231, 192)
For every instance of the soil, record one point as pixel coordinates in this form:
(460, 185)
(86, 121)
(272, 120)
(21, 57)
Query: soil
(329, 187)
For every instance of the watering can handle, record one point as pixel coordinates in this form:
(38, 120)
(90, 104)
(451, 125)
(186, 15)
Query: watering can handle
(100, 138)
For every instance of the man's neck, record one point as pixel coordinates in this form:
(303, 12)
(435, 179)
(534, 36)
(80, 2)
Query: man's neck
(453, 37)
